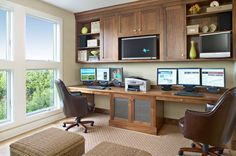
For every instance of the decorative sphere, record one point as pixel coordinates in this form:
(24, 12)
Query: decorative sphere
(84, 30)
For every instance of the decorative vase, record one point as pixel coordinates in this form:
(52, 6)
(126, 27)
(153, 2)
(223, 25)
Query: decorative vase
(192, 53)
(84, 30)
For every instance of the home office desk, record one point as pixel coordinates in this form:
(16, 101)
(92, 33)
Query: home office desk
(140, 111)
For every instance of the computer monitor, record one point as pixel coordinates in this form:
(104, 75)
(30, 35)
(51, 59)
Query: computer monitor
(116, 74)
(213, 78)
(87, 74)
(189, 78)
(103, 74)
(166, 77)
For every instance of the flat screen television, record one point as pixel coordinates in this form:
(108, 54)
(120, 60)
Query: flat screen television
(145, 47)
(215, 45)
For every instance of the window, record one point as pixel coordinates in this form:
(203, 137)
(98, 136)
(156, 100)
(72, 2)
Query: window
(40, 91)
(5, 80)
(42, 53)
(4, 96)
(5, 19)
(41, 39)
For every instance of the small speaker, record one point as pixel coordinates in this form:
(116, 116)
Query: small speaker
(225, 21)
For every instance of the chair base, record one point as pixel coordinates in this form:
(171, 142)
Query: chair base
(77, 122)
(205, 150)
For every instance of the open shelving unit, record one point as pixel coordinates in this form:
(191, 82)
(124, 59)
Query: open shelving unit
(205, 18)
(82, 48)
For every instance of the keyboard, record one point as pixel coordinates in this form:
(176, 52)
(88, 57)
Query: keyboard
(96, 87)
(184, 93)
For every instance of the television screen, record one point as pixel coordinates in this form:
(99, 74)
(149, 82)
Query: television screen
(215, 45)
(189, 76)
(166, 76)
(145, 47)
(103, 74)
(213, 77)
(88, 74)
(116, 74)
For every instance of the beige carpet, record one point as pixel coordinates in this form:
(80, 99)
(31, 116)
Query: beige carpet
(167, 143)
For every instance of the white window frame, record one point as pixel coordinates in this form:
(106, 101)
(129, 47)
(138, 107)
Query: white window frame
(6, 64)
(56, 64)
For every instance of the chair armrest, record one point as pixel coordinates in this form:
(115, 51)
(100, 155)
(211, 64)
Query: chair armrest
(76, 93)
(197, 125)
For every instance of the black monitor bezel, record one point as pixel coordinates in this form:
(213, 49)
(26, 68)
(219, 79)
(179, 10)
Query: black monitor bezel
(217, 33)
(214, 86)
(200, 82)
(121, 73)
(88, 68)
(167, 69)
(108, 75)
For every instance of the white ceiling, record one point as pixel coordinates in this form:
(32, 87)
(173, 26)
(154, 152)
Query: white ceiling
(85, 5)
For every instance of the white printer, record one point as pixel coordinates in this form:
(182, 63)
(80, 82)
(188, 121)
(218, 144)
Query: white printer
(137, 84)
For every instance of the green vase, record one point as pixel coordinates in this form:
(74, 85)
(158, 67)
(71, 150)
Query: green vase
(192, 53)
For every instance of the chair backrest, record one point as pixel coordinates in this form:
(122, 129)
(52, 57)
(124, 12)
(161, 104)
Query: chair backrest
(224, 117)
(72, 106)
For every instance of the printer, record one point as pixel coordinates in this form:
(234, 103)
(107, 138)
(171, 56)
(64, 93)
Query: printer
(137, 84)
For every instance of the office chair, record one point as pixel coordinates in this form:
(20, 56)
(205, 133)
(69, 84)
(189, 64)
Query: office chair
(210, 130)
(74, 106)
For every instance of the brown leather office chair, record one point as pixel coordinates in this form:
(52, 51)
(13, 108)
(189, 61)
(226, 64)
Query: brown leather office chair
(74, 106)
(214, 128)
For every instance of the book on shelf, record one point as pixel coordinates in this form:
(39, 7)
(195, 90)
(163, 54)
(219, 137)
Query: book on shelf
(82, 55)
(95, 27)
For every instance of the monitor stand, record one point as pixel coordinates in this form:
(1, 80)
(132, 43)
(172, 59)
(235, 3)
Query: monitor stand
(214, 90)
(189, 88)
(166, 87)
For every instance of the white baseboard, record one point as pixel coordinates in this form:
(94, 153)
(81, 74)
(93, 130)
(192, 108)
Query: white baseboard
(30, 126)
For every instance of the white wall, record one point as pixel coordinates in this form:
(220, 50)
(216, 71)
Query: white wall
(148, 70)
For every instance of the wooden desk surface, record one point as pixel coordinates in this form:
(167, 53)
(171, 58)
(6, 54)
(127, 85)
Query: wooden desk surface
(159, 94)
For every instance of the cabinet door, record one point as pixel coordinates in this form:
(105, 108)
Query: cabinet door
(109, 39)
(175, 33)
(120, 105)
(127, 24)
(149, 21)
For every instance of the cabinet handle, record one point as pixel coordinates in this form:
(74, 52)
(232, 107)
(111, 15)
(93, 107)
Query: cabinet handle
(134, 30)
(182, 54)
(139, 29)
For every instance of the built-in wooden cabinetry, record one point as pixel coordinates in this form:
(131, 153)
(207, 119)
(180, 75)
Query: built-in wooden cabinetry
(136, 112)
(109, 39)
(166, 18)
(142, 22)
(175, 32)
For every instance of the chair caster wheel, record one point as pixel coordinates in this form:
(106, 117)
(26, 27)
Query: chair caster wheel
(193, 145)
(92, 123)
(85, 131)
(181, 153)
(221, 151)
(64, 125)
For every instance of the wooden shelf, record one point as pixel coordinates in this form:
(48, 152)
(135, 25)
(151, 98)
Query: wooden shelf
(207, 33)
(85, 48)
(89, 34)
(207, 13)
(153, 61)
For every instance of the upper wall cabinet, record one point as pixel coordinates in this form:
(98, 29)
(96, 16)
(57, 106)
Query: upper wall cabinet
(109, 39)
(175, 33)
(141, 22)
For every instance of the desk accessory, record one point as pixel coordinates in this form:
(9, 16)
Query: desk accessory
(192, 53)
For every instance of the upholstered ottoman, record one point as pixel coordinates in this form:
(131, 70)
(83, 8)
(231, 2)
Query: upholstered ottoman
(51, 142)
(111, 149)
